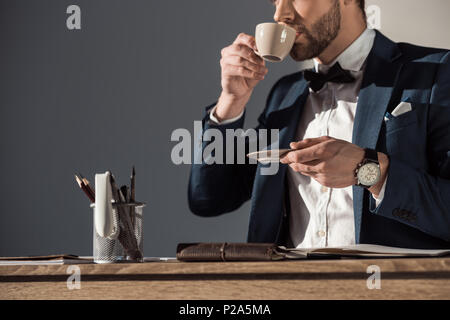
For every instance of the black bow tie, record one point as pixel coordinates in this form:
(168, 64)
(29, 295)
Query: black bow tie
(336, 74)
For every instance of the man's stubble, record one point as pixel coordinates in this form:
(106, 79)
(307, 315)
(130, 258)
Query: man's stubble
(322, 33)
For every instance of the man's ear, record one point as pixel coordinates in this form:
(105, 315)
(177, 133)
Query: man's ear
(350, 2)
(347, 3)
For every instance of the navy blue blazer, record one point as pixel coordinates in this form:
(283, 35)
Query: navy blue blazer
(415, 211)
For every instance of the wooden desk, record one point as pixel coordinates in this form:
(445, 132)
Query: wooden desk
(424, 278)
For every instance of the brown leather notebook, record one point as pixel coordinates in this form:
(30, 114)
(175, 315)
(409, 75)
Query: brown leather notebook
(271, 252)
(228, 252)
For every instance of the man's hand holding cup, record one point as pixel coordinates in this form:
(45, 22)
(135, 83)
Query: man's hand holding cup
(243, 65)
(242, 69)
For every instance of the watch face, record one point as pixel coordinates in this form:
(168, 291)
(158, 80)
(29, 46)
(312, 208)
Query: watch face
(369, 174)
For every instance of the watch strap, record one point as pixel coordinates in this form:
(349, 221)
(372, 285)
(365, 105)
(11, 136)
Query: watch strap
(370, 155)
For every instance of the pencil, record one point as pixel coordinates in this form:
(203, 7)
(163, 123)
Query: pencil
(88, 186)
(84, 188)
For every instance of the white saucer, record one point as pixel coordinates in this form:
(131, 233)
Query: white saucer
(269, 156)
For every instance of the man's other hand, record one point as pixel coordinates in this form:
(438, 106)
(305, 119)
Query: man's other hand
(331, 162)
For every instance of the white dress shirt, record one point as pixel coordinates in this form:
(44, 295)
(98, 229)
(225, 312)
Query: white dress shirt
(321, 216)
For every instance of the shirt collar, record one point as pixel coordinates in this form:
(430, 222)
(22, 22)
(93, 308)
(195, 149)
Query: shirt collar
(354, 56)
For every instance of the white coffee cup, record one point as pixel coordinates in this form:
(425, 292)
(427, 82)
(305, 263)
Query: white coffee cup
(274, 41)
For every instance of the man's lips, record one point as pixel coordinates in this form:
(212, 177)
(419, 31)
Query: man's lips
(298, 29)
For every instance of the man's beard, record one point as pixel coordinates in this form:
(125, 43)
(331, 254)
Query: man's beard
(322, 33)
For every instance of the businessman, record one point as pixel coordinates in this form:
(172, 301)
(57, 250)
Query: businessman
(370, 124)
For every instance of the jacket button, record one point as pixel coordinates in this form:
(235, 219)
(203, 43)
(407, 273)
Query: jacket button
(404, 214)
(396, 212)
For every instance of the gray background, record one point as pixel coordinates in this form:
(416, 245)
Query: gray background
(108, 96)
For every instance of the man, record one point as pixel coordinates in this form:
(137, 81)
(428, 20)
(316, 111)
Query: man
(371, 124)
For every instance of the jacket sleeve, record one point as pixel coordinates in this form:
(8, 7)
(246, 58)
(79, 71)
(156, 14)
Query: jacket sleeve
(419, 198)
(215, 189)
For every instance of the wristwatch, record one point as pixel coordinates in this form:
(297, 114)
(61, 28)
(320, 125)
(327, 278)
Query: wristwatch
(368, 171)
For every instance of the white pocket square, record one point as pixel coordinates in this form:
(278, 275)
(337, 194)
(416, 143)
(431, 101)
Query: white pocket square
(402, 108)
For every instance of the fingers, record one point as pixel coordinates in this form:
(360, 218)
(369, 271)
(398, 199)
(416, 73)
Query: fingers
(230, 70)
(306, 170)
(308, 142)
(238, 61)
(303, 169)
(309, 150)
(313, 153)
(247, 40)
(243, 51)
(244, 46)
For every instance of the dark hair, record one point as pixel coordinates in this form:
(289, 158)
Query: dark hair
(362, 6)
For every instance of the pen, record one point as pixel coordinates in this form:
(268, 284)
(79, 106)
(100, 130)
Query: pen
(126, 195)
(114, 189)
(128, 238)
(132, 186)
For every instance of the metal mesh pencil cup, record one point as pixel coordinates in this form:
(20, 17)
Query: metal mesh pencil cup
(128, 242)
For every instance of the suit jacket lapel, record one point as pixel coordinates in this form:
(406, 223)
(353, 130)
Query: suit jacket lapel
(380, 76)
(268, 190)
(286, 117)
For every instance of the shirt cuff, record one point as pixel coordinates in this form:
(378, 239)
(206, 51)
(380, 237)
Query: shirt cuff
(216, 121)
(381, 194)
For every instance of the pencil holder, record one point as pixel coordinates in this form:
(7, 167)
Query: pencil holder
(126, 243)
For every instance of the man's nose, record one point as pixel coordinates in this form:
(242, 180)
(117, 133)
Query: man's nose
(284, 11)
